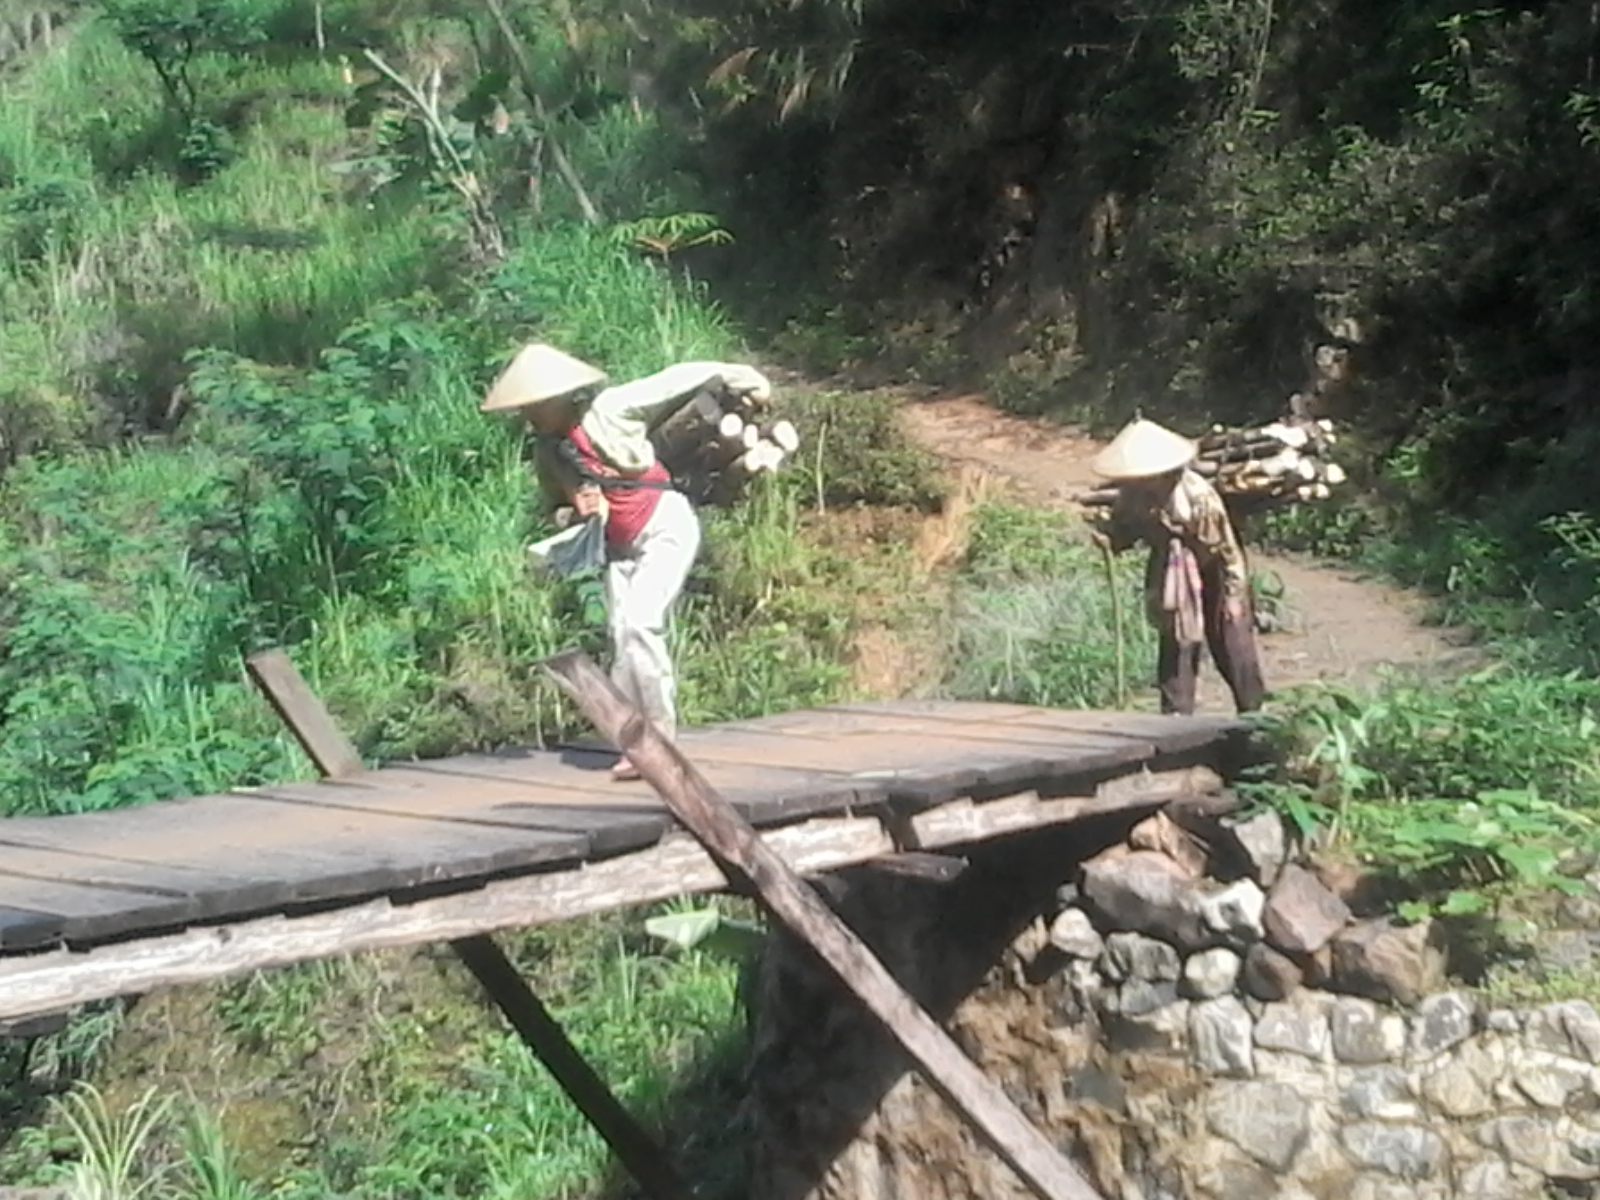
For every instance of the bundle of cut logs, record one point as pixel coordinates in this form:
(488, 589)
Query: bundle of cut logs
(1254, 469)
(717, 442)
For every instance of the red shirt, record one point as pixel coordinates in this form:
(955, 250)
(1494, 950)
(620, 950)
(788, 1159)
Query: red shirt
(630, 508)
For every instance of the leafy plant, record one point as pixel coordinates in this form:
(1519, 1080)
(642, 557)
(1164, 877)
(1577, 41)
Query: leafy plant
(212, 1170)
(1463, 793)
(665, 236)
(110, 1144)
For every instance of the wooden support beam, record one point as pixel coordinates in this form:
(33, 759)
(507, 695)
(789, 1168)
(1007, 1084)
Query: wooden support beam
(309, 720)
(644, 1160)
(916, 864)
(731, 840)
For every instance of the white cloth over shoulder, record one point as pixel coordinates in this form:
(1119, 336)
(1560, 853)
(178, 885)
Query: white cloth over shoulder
(619, 419)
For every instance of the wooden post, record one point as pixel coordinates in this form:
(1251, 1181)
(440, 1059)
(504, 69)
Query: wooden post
(737, 846)
(645, 1160)
(306, 716)
(314, 727)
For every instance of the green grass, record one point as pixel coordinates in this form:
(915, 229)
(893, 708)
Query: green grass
(332, 488)
(388, 1076)
(1036, 620)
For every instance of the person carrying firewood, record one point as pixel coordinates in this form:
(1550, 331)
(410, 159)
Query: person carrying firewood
(592, 450)
(1197, 585)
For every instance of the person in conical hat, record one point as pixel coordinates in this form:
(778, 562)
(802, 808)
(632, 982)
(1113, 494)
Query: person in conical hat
(1197, 583)
(592, 451)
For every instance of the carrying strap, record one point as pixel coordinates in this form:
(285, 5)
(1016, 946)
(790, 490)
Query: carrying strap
(567, 451)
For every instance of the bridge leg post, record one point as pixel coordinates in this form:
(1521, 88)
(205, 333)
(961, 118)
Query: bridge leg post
(644, 1160)
(336, 758)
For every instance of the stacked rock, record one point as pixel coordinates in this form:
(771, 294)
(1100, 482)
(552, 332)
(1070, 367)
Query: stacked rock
(1331, 1059)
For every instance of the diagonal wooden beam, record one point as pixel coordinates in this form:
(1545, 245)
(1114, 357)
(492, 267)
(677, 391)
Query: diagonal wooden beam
(306, 716)
(336, 758)
(731, 840)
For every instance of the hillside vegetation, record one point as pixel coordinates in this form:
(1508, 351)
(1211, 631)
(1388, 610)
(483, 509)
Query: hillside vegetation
(259, 259)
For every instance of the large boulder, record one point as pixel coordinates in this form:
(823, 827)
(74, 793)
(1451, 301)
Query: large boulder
(1386, 961)
(1302, 915)
(1146, 892)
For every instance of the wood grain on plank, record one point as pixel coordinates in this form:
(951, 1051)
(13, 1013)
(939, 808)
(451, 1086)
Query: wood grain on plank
(1062, 752)
(913, 770)
(301, 853)
(764, 793)
(69, 909)
(1169, 733)
(200, 885)
(23, 929)
(610, 827)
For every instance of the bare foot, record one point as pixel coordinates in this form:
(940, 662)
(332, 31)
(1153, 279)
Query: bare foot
(624, 771)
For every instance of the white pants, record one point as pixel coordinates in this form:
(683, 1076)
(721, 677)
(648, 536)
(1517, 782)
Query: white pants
(641, 585)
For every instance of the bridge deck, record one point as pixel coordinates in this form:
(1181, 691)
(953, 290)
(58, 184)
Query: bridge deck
(409, 833)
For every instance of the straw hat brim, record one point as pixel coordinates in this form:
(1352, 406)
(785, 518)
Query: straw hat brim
(537, 375)
(1143, 449)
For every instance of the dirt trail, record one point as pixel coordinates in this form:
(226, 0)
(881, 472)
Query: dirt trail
(1342, 627)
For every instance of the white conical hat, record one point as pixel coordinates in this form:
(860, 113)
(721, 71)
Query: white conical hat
(538, 373)
(1142, 449)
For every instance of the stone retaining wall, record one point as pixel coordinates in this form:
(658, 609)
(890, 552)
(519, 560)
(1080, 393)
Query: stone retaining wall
(1183, 1035)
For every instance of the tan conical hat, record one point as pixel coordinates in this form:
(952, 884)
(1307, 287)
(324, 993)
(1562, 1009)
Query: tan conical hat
(1142, 449)
(539, 373)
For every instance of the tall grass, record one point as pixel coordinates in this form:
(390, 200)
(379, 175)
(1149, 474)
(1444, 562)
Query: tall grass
(1037, 620)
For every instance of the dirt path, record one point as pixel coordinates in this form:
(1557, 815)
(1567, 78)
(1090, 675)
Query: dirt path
(1343, 627)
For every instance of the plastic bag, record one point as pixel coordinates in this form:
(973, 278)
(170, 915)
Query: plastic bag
(577, 550)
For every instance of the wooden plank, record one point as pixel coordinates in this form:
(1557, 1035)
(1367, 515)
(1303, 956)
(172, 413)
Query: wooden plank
(22, 929)
(41, 911)
(610, 828)
(1068, 752)
(729, 838)
(918, 769)
(305, 715)
(297, 854)
(764, 793)
(199, 886)
(912, 772)
(59, 979)
(1170, 734)
(634, 1148)
(965, 822)
(950, 710)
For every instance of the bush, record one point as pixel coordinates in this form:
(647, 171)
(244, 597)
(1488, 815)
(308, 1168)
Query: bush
(856, 453)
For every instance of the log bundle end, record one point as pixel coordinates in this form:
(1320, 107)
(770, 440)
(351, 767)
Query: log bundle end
(717, 442)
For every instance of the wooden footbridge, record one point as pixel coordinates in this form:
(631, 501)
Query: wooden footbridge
(118, 903)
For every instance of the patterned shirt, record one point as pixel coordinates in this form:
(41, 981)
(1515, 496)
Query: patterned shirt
(1193, 512)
